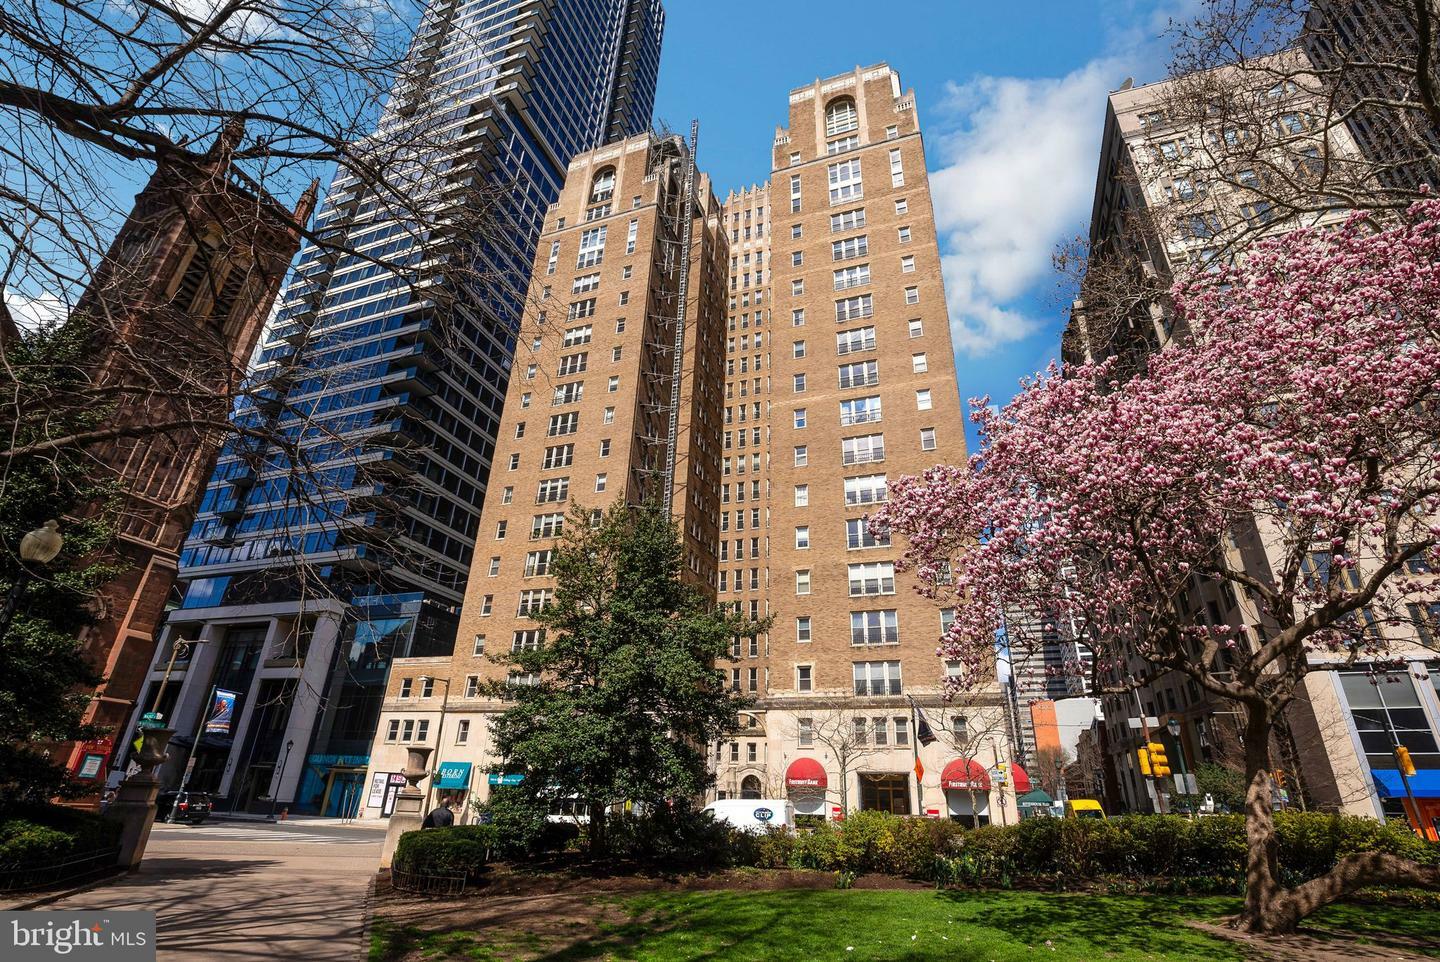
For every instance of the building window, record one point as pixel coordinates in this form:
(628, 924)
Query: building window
(919, 364)
(805, 731)
(631, 233)
(799, 420)
(527, 639)
(802, 537)
(406, 686)
(912, 295)
(799, 380)
(802, 628)
(796, 232)
(552, 490)
(859, 535)
(507, 495)
(850, 247)
(797, 317)
(472, 686)
(804, 678)
(897, 168)
(532, 601)
(848, 277)
(558, 456)
(927, 439)
(575, 336)
(866, 489)
(907, 264)
(797, 286)
(802, 581)
(845, 182)
(614, 383)
(904, 235)
(479, 648)
(852, 341)
(608, 416)
(514, 461)
(547, 525)
(554, 257)
(864, 449)
(872, 578)
(592, 247)
(392, 731)
(841, 117)
(860, 374)
(537, 563)
(854, 308)
(847, 220)
(462, 731)
(605, 447)
(874, 628)
(494, 566)
(922, 399)
(802, 455)
(600, 482)
(794, 193)
(877, 678)
(917, 328)
(892, 131)
(802, 495)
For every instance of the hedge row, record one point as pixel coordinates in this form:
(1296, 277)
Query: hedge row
(459, 849)
(36, 835)
(1207, 853)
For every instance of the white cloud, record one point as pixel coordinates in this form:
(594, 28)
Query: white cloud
(32, 313)
(1017, 173)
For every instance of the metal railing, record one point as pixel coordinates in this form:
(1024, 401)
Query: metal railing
(73, 868)
(421, 883)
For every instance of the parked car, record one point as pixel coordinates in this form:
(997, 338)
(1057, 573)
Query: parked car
(1084, 808)
(753, 814)
(192, 807)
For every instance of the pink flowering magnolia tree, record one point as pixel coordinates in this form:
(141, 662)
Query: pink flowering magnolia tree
(1285, 445)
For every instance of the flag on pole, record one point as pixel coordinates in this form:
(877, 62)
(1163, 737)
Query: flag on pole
(924, 734)
(919, 770)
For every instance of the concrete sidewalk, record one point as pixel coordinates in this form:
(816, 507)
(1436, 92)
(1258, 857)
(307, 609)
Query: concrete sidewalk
(217, 897)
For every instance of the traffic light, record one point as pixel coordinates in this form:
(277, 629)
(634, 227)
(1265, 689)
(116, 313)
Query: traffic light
(1159, 764)
(1004, 769)
(1407, 764)
(1279, 778)
(1144, 757)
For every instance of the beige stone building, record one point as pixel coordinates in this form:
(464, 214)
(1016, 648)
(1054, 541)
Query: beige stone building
(1176, 194)
(817, 366)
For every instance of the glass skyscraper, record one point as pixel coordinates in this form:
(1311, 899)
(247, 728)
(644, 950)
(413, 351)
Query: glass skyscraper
(311, 566)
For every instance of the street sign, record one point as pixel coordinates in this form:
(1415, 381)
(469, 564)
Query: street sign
(498, 779)
(1150, 721)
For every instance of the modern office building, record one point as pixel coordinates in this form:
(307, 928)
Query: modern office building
(310, 568)
(838, 374)
(1332, 743)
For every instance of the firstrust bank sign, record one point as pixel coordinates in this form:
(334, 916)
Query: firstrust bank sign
(127, 936)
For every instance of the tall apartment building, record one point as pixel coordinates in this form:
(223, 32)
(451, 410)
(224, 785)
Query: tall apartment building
(837, 375)
(1151, 165)
(302, 583)
(586, 423)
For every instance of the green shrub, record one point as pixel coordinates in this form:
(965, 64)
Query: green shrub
(446, 851)
(32, 835)
(678, 837)
(775, 848)
(816, 848)
(522, 829)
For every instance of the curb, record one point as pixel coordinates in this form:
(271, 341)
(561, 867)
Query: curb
(367, 916)
(52, 897)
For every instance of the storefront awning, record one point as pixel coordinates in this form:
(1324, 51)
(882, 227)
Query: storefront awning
(453, 775)
(1022, 780)
(1423, 784)
(965, 774)
(805, 773)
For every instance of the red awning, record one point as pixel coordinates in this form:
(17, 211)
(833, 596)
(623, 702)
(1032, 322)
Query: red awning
(965, 775)
(1022, 781)
(805, 773)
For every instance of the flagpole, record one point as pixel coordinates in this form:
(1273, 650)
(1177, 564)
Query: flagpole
(190, 756)
(917, 720)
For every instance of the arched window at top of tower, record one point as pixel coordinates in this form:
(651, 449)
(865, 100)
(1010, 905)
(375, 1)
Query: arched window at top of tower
(840, 116)
(603, 187)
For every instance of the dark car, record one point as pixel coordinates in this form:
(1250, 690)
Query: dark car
(192, 807)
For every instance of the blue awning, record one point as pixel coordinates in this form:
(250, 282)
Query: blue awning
(1425, 783)
(453, 775)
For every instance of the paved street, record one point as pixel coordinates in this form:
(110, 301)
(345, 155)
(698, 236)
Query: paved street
(239, 890)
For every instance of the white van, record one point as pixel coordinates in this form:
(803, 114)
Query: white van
(753, 814)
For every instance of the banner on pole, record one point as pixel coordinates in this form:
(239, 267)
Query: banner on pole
(222, 712)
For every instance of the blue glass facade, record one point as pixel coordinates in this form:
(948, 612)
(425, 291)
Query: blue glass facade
(393, 393)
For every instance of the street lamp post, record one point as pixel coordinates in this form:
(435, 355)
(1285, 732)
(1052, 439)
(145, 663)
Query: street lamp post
(1173, 727)
(439, 735)
(279, 774)
(37, 547)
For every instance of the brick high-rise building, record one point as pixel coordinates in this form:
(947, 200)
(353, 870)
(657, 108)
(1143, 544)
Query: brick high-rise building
(838, 375)
(586, 423)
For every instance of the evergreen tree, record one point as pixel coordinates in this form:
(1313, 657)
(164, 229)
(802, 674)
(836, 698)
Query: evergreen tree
(45, 679)
(628, 693)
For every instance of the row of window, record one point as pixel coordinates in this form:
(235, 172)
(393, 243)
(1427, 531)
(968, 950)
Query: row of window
(865, 449)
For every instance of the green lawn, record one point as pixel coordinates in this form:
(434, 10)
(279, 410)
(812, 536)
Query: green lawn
(860, 926)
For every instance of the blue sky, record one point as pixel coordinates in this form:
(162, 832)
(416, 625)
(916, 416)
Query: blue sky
(1011, 99)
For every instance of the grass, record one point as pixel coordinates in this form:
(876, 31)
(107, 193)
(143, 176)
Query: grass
(848, 925)
(854, 925)
(1379, 924)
